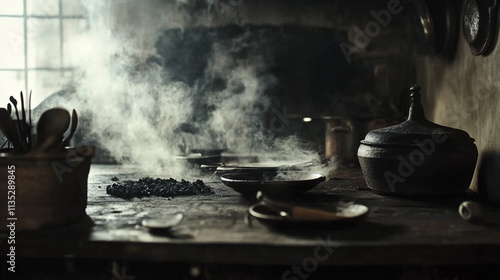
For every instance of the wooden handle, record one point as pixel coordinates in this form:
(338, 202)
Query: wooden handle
(309, 214)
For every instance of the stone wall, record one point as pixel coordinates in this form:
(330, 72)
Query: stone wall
(346, 37)
(464, 92)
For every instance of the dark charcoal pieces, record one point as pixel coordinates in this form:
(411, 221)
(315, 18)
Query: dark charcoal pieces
(157, 187)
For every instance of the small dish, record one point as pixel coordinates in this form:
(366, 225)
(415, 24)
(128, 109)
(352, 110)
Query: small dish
(354, 213)
(272, 184)
(165, 223)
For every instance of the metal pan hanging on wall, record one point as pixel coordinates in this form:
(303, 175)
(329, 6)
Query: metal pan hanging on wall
(479, 25)
(436, 26)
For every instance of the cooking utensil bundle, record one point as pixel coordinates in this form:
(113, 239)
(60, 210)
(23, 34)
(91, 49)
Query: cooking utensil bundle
(50, 129)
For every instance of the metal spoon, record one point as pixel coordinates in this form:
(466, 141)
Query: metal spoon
(74, 125)
(165, 223)
(51, 127)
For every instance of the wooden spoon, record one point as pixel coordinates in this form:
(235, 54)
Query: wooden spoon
(51, 127)
(299, 213)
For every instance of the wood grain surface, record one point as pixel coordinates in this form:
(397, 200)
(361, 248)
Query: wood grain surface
(397, 230)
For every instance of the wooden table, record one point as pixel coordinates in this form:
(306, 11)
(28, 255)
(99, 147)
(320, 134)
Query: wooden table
(397, 232)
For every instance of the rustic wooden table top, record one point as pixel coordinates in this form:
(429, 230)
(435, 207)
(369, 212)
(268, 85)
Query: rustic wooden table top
(396, 231)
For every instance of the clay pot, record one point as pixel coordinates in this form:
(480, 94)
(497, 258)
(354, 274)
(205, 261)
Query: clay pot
(418, 157)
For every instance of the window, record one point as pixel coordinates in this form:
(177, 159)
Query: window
(34, 36)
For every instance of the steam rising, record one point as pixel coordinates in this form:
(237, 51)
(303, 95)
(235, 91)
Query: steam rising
(140, 114)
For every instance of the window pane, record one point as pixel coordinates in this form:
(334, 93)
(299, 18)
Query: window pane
(11, 43)
(43, 43)
(71, 44)
(73, 8)
(43, 7)
(11, 83)
(9, 7)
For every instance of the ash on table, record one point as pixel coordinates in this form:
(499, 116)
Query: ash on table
(157, 187)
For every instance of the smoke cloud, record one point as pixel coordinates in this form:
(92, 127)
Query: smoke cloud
(140, 110)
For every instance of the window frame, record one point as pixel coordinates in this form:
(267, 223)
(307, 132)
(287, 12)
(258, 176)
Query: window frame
(62, 69)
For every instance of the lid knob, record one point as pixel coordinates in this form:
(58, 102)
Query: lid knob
(417, 127)
(416, 112)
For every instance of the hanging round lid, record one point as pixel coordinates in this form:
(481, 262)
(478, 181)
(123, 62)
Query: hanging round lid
(415, 129)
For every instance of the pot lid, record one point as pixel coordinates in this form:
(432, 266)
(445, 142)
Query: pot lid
(416, 130)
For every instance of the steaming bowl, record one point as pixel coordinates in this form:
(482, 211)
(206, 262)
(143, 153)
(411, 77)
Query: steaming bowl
(272, 184)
